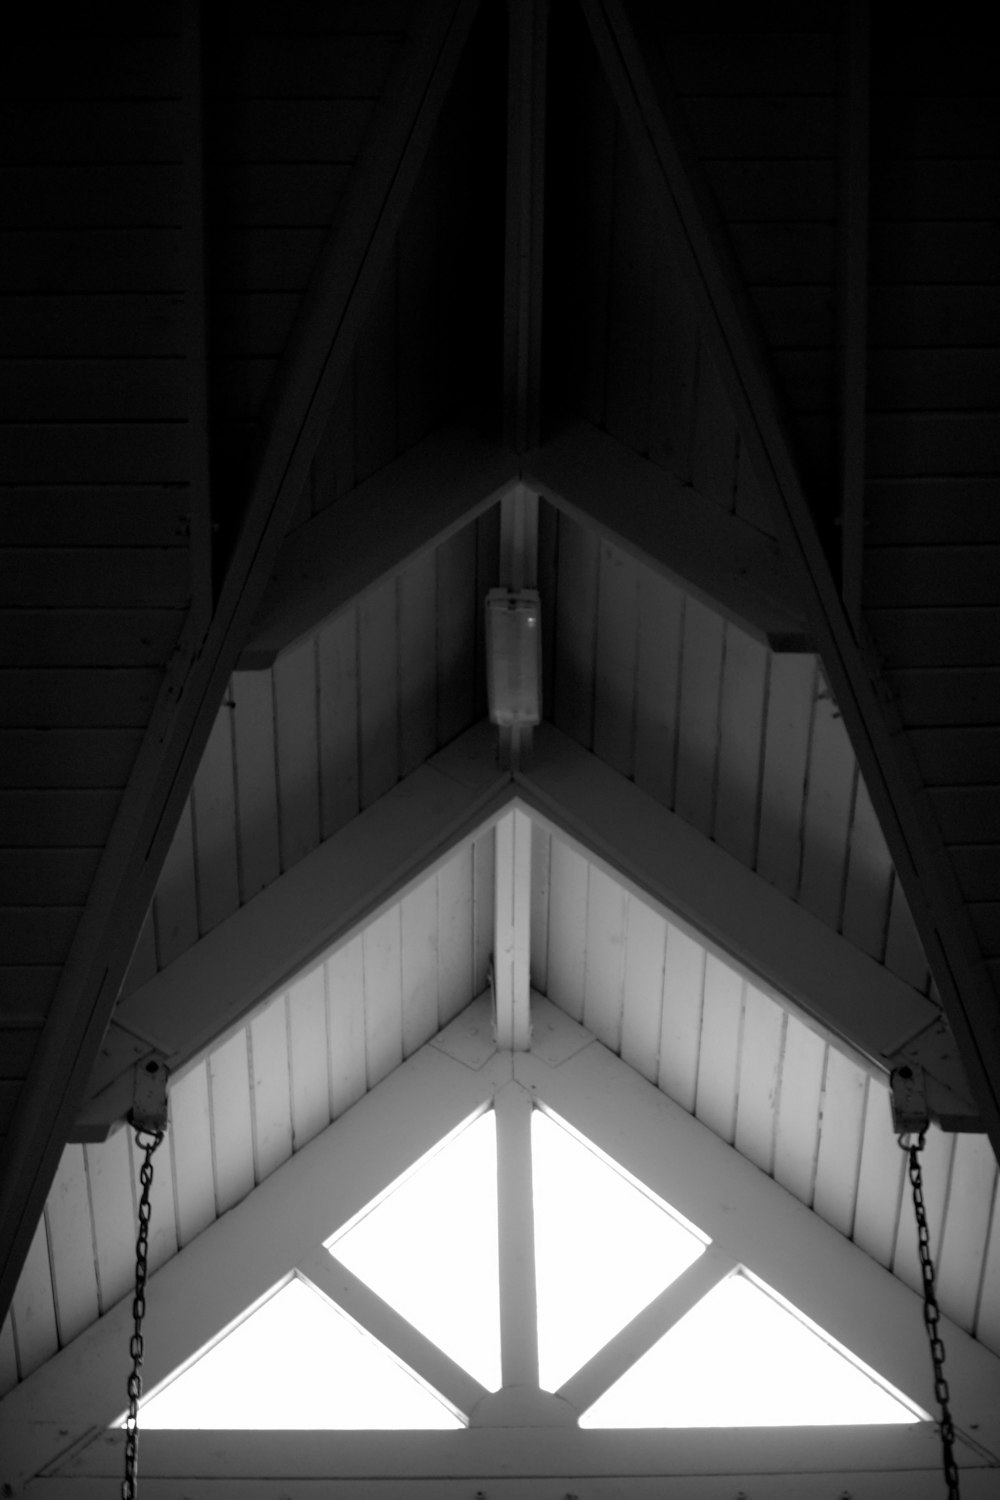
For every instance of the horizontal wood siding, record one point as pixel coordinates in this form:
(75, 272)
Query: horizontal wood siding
(96, 459)
(930, 569)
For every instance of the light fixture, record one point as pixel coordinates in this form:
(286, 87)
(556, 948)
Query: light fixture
(514, 656)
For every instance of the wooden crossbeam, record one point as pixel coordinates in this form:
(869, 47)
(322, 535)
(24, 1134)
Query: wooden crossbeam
(319, 350)
(720, 558)
(373, 532)
(689, 878)
(640, 83)
(317, 905)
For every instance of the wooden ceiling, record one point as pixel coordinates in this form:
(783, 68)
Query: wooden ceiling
(293, 294)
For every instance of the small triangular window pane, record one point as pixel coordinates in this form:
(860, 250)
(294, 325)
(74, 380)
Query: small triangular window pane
(430, 1250)
(296, 1362)
(604, 1247)
(741, 1358)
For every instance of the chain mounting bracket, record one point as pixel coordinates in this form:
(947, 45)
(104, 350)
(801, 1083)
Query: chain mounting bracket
(149, 1096)
(908, 1097)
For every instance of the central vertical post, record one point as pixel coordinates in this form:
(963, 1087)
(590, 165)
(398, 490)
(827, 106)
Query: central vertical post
(512, 932)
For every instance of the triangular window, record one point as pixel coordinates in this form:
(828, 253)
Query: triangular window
(296, 1362)
(636, 1326)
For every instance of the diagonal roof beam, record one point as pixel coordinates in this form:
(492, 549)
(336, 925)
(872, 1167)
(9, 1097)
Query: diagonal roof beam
(311, 909)
(640, 83)
(406, 509)
(319, 350)
(690, 879)
(722, 559)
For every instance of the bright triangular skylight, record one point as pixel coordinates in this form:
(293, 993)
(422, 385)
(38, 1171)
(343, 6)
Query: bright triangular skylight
(603, 1249)
(430, 1250)
(740, 1358)
(296, 1362)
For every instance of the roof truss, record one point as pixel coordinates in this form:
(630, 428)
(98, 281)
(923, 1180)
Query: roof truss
(281, 1226)
(336, 890)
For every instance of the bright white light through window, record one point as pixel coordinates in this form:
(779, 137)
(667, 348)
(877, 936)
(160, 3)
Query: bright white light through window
(430, 1249)
(296, 1362)
(603, 1249)
(741, 1359)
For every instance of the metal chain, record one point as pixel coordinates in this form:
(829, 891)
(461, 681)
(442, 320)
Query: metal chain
(932, 1313)
(147, 1141)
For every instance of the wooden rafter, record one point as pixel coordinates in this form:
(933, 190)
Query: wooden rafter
(639, 82)
(308, 376)
(373, 532)
(690, 878)
(317, 905)
(720, 558)
(853, 332)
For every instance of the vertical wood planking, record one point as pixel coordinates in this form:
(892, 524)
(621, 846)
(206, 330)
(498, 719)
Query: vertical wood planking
(232, 1131)
(719, 1049)
(615, 659)
(567, 918)
(383, 996)
(375, 380)
(456, 613)
(8, 1357)
(904, 953)
(190, 1142)
(868, 887)
(797, 1131)
(680, 1027)
(741, 716)
(297, 752)
(791, 681)
(252, 694)
(308, 1049)
(629, 344)
(760, 1072)
(829, 792)
(673, 354)
(487, 574)
(698, 735)
(604, 944)
(658, 680)
(142, 965)
(33, 1309)
(456, 983)
(880, 1178)
(840, 1140)
(419, 925)
(378, 675)
(541, 856)
(987, 1324)
(174, 905)
(71, 1246)
(642, 1001)
(483, 907)
(417, 662)
(269, 1088)
(963, 1242)
(213, 799)
(109, 1183)
(337, 673)
(346, 1026)
(575, 627)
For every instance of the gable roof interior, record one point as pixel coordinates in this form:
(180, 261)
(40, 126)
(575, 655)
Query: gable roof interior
(158, 253)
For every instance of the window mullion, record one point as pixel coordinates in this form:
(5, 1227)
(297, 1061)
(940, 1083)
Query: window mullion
(516, 1231)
